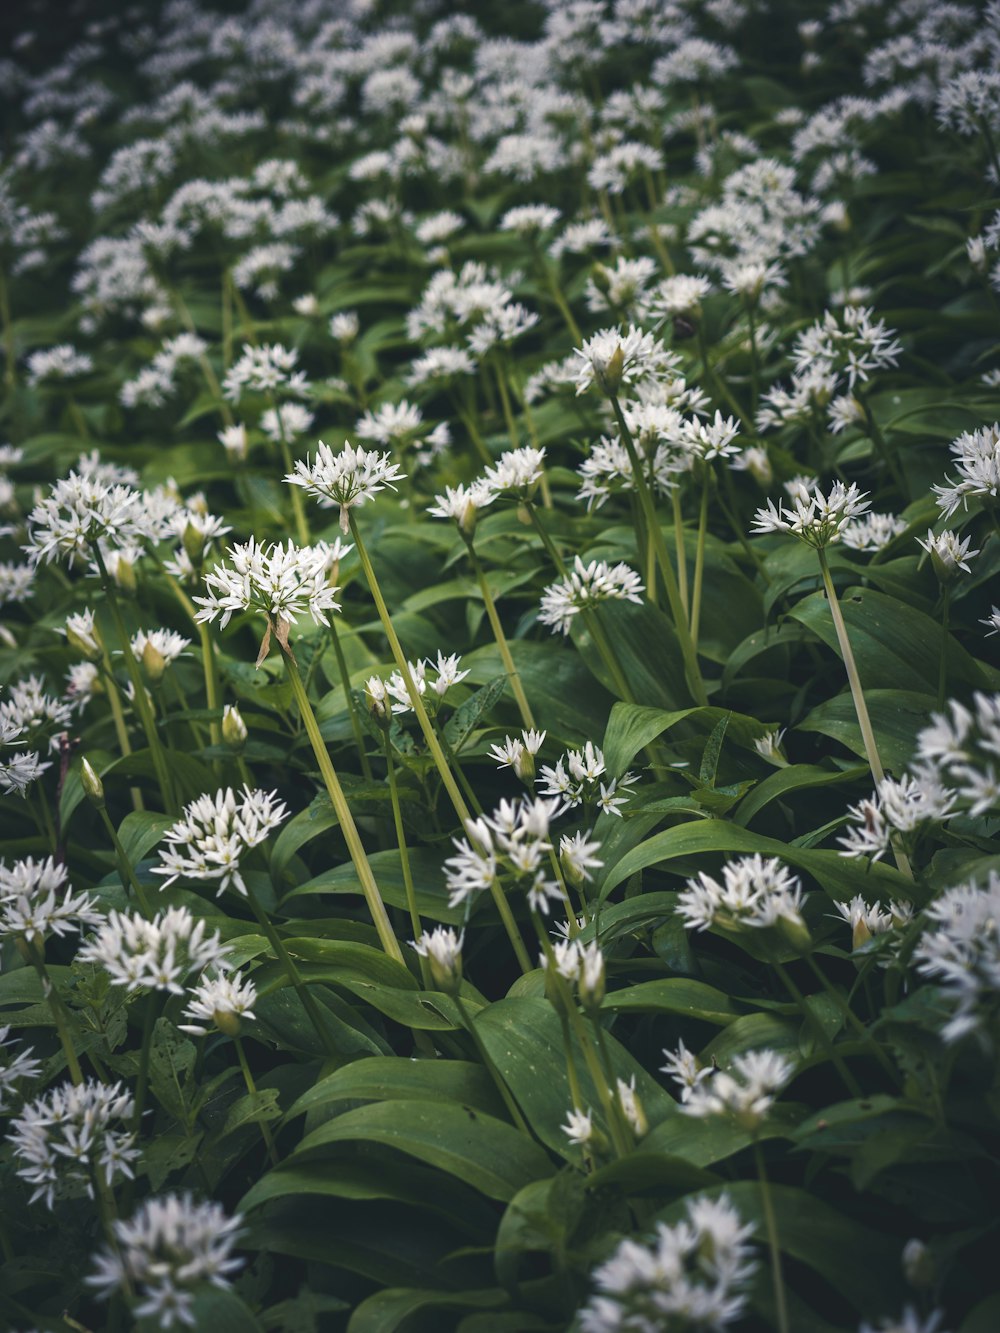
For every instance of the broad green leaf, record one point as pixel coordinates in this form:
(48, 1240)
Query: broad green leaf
(490, 1155)
(385, 1311)
(838, 875)
(465, 718)
(385, 1079)
(896, 715)
(140, 831)
(796, 777)
(428, 881)
(633, 726)
(674, 995)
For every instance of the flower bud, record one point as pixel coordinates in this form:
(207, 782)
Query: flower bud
(92, 785)
(919, 1267)
(193, 541)
(84, 644)
(524, 767)
(796, 932)
(227, 1022)
(443, 950)
(377, 699)
(601, 278)
(590, 983)
(234, 729)
(610, 379)
(154, 664)
(123, 575)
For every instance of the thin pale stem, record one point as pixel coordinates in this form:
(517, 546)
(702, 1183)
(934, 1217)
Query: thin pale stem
(251, 1086)
(140, 700)
(298, 504)
(695, 682)
(404, 859)
(211, 672)
(850, 1082)
(943, 664)
(770, 1222)
(338, 800)
(345, 680)
(527, 717)
(505, 1093)
(508, 414)
(153, 1007)
(125, 871)
(857, 694)
(57, 1009)
(118, 717)
(679, 547)
(430, 737)
(699, 559)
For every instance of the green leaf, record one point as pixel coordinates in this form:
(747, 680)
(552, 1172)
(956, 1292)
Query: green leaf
(428, 881)
(674, 995)
(713, 749)
(385, 1311)
(895, 646)
(796, 777)
(385, 1079)
(140, 831)
(256, 1108)
(645, 647)
(490, 1155)
(633, 726)
(465, 718)
(835, 873)
(897, 716)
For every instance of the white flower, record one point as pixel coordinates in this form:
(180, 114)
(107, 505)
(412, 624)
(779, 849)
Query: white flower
(279, 582)
(693, 1275)
(213, 834)
(961, 748)
(265, 369)
(345, 326)
(218, 997)
(13, 1068)
(866, 920)
(347, 479)
(872, 532)
(287, 421)
(754, 892)
(948, 553)
(977, 454)
(579, 1127)
(71, 1133)
(960, 948)
(745, 1091)
(234, 440)
(166, 1252)
(908, 1322)
(58, 363)
(683, 1067)
(897, 807)
(577, 776)
(585, 586)
(166, 642)
(78, 513)
(576, 856)
(443, 950)
(19, 771)
(517, 470)
(158, 954)
(611, 359)
(35, 901)
(816, 518)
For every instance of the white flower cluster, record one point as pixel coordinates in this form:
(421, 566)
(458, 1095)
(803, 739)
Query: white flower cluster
(960, 949)
(14, 1068)
(512, 845)
(585, 586)
(218, 1000)
(745, 1091)
(348, 479)
(579, 777)
(69, 1135)
(165, 1253)
(394, 695)
(960, 750)
(269, 369)
(611, 359)
(36, 902)
(158, 954)
(815, 518)
(81, 512)
(977, 462)
(209, 841)
(693, 1275)
(898, 807)
(755, 892)
(280, 582)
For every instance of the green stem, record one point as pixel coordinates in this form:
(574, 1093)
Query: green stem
(943, 664)
(857, 694)
(211, 671)
(675, 500)
(153, 1005)
(527, 717)
(772, 1239)
(118, 716)
(338, 800)
(695, 682)
(851, 1017)
(850, 1082)
(430, 737)
(563, 305)
(298, 504)
(404, 859)
(494, 1073)
(140, 700)
(699, 558)
(345, 680)
(57, 1008)
(251, 1086)
(508, 414)
(125, 871)
(293, 974)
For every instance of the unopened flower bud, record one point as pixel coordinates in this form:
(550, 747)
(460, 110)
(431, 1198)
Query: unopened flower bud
(601, 278)
(796, 932)
(154, 664)
(234, 729)
(193, 542)
(124, 577)
(84, 644)
(92, 785)
(919, 1267)
(632, 1107)
(590, 982)
(377, 699)
(610, 378)
(227, 1022)
(443, 950)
